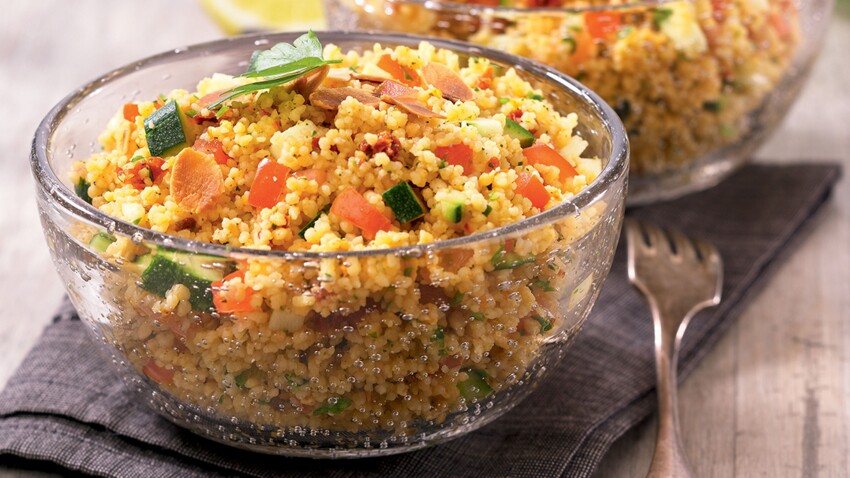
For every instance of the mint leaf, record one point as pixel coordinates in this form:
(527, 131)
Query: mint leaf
(279, 65)
(305, 46)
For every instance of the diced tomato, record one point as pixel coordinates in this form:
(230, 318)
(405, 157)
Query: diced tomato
(156, 373)
(780, 24)
(718, 10)
(452, 361)
(400, 72)
(131, 111)
(155, 165)
(213, 147)
(486, 79)
(135, 174)
(268, 184)
(457, 155)
(351, 206)
(544, 154)
(226, 301)
(210, 98)
(585, 48)
(601, 24)
(530, 187)
(510, 244)
(316, 174)
(493, 163)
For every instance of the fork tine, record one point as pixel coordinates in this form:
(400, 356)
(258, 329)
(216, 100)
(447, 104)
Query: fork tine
(709, 253)
(658, 239)
(685, 246)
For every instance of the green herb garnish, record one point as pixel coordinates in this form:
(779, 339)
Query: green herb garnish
(334, 405)
(279, 65)
(660, 15)
(545, 324)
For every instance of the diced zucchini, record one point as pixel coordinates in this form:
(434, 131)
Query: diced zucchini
(82, 189)
(502, 260)
(404, 202)
(487, 127)
(541, 284)
(142, 262)
(475, 387)
(452, 207)
(164, 130)
(101, 241)
(516, 131)
(195, 271)
(312, 222)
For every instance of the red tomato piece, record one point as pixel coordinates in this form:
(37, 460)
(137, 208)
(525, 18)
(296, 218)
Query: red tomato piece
(601, 24)
(486, 79)
(156, 373)
(213, 147)
(400, 72)
(530, 187)
(226, 303)
(457, 155)
(135, 174)
(131, 111)
(544, 154)
(210, 98)
(268, 184)
(318, 175)
(351, 206)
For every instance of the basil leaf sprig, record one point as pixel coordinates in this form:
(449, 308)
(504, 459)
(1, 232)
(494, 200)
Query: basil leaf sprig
(279, 65)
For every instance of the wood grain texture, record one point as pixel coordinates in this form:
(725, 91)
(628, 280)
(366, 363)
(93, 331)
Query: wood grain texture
(773, 397)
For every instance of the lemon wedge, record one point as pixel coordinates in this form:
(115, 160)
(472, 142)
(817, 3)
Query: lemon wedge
(241, 16)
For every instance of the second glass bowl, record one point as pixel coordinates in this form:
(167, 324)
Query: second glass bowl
(698, 84)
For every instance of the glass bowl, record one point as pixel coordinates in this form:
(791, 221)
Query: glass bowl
(487, 314)
(698, 84)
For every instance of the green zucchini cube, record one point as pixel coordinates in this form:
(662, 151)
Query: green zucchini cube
(164, 130)
(404, 203)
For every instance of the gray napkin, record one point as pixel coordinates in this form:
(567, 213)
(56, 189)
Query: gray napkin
(65, 407)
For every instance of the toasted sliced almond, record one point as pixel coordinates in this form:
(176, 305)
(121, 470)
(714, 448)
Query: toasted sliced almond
(405, 98)
(412, 105)
(446, 80)
(308, 84)
(395, 90)
(370, 78)
(341, 74)
(331, 98)
(196, 182)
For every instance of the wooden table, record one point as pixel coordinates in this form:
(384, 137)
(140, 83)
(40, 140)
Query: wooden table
(772, 399)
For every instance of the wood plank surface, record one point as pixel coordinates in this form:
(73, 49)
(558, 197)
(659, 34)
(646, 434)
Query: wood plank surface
(773, 397)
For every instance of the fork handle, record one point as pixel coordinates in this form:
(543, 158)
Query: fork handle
(669, 460)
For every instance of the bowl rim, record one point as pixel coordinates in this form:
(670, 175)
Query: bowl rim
(474, 9)
(60, 195)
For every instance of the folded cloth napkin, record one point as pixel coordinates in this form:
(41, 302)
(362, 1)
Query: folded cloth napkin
(64, 406)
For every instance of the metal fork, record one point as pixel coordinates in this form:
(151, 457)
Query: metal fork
(679, 277)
